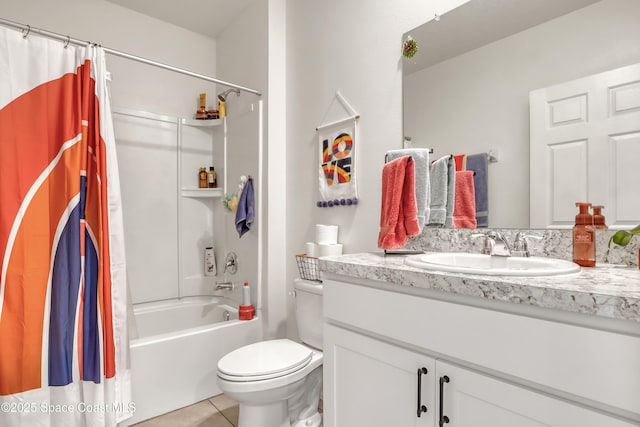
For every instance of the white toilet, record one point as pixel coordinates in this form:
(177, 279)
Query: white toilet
(278, 382)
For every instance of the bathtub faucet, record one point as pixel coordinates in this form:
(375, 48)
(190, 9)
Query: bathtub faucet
(224, 285)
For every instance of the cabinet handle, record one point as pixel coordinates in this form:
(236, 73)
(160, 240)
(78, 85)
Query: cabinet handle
(443, 418)
(421, 407)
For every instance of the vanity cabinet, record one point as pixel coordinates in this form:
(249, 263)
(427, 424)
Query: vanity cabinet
(374, 383)
(472, 399)
(483, 367)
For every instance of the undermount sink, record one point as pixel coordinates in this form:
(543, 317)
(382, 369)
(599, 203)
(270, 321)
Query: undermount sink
(461, 262)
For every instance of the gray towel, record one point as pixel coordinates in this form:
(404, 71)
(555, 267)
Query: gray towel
(451, 191)
(479, 163)
(422, 165)
(439, 177)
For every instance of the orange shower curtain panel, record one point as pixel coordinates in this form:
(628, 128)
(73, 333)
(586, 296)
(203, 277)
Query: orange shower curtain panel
(58, 325)
(52, 162)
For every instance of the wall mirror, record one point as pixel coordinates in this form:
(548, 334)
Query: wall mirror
(466, 90)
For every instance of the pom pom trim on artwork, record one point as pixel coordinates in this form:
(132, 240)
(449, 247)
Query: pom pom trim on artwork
(336, 203)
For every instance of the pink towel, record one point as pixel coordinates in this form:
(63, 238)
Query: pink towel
(464, 212)
(461, 162)
(399, 215)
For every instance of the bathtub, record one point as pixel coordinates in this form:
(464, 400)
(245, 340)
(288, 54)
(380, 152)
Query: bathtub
(176, 352)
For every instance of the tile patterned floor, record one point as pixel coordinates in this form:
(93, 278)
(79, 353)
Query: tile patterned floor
(218, 411)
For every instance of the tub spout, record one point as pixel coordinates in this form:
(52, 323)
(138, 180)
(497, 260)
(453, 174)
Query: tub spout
(224, 285)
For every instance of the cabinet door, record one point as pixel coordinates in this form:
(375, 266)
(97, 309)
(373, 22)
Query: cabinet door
(472, 399)
(374, 384)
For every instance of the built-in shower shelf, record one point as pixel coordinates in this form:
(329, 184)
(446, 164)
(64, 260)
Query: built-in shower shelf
(201, 192)
(202, 123)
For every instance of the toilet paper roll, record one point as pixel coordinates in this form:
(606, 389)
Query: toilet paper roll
(311, 249)
(326, 234)
(329, 249)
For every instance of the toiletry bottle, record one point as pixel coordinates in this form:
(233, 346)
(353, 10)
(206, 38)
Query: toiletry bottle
(209, 262)
(202, 111)
(584, 242)
(246, 310)
(598, 218)
(202, 178)
(212, 178)
(222, 111)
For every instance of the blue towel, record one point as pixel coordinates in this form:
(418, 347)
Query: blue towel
(244, 214)
(479, 164)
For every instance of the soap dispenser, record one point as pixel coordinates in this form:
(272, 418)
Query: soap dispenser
(598, 218)
(584, 242)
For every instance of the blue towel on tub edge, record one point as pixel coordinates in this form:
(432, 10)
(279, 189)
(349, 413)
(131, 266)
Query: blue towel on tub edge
(244, 214)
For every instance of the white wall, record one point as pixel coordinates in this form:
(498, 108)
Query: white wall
(480, 100)
(243, 58)
(134, 85)
(277, 158)
(352, 46)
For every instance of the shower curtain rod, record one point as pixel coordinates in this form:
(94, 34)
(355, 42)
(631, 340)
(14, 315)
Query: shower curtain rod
(27, 29)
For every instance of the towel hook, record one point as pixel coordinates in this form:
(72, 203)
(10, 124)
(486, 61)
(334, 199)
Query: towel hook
(493, 156)
(25, 34)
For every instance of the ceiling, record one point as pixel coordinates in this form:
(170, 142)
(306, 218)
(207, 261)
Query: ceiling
(206, 17)
(480, 22)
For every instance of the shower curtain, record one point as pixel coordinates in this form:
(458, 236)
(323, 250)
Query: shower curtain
(63, 333)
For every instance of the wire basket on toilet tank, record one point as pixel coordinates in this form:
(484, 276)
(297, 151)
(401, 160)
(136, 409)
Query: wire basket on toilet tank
(308, 267)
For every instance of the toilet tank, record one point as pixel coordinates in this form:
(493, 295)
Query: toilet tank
(308, 306)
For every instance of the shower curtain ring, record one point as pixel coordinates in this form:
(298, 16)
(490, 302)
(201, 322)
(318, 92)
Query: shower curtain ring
(67, 42)
(25, 34)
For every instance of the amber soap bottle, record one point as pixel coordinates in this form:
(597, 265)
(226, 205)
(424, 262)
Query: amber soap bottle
(584, 237)
(598, 218)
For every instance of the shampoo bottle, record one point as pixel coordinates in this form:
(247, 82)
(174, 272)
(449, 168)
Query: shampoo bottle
(202, 111)
(584, 242)
(246, 310)
(202, 178)
(209, 262)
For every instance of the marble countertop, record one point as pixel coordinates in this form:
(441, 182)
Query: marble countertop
(607, 290)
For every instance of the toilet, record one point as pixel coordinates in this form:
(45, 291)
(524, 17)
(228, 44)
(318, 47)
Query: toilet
(278, 382)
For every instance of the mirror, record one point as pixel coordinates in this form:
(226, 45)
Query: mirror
(466, 90)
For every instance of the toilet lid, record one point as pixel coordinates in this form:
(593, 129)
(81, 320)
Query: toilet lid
(264, 360)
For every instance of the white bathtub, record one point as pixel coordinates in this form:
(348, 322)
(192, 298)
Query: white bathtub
(174, 358)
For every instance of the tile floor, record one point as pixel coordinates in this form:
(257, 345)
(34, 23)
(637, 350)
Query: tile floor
(217, 411)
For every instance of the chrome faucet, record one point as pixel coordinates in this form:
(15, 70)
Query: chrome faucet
(494, 244)
(521, 244)
(224, 285)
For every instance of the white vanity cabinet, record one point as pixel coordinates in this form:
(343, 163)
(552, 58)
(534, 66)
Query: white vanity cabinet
(472, 399)
(492, 368)
(374, 383)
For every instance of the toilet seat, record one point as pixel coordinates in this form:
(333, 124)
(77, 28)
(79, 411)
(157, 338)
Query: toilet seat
(264, 360)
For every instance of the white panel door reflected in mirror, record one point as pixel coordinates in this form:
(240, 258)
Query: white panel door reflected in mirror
(467, 88)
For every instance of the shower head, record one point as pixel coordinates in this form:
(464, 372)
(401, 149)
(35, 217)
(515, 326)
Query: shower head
(223, 95)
